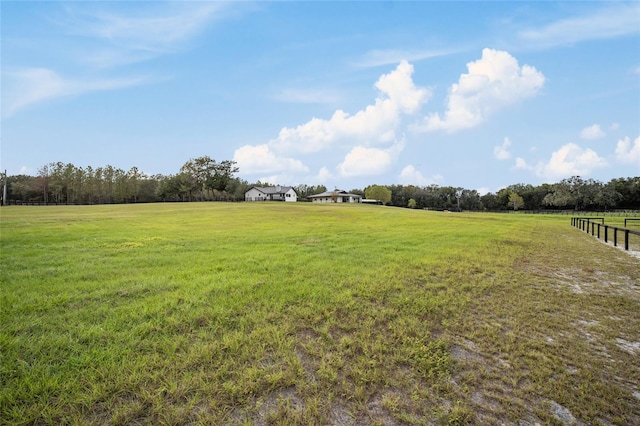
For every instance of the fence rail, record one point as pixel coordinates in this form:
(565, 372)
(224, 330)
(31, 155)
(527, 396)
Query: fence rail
(630, 218)
(589, 225)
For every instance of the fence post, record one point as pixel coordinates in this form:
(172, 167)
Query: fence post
(615, 237)
(626, 239)
(606, 233)
(598, 231)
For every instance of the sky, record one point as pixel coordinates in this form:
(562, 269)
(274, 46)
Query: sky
(479, 95)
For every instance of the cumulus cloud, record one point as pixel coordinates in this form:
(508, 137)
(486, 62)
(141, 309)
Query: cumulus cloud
(493, 82)
(324, 174)
(627, 152)
(521, 164)
(501, 152)
(26, 87)
(370, 133)
(364, 161)
(260, 159)
(592, 132)
(570, 160)
(373, 125)
(411, 176)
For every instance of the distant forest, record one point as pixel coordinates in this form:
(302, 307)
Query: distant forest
(205, 179)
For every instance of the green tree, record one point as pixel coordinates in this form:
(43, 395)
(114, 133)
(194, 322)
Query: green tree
(412, 203)
(204, 175)
(377, 192)
(44, 179)
(516, 201)
(135, 177)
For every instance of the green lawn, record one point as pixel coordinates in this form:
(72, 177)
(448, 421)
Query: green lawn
(274, 313)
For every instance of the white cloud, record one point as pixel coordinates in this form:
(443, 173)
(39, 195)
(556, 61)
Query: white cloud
(260, 159)
(273, 180)
(373, 125)
(363, 161)
(411, 176)
(607, 22)
(501, 152)
(146, 32)
(614, 126)
(26, 87)
(521, 164)
(626, 152)
(570, 160)
(158, 30)
(592, 132)
(493, 82)
(324, 175)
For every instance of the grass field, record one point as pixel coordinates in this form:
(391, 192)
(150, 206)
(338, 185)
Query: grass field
(260, 313)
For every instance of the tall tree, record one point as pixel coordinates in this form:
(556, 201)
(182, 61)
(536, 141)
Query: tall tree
(43, 182)
(378, 192)
(516, 201)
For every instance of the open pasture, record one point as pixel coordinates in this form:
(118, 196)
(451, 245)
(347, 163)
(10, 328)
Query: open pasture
(274, 313)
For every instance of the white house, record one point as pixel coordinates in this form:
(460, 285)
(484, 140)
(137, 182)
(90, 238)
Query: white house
(336, 196)
(271, 193)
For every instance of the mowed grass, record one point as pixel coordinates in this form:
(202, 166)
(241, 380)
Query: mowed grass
(273, 313)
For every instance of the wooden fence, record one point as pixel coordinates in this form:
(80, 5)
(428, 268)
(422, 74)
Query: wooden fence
(596, 227)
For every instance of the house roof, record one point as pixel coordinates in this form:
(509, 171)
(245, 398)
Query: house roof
(272, 189)
(335, 192)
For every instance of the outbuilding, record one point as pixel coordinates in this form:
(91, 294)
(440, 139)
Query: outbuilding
(336, 196)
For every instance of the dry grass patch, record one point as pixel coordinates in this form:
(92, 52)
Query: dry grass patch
(557, 342)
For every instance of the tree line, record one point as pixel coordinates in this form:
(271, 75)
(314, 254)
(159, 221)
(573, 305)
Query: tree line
(199, 179)
(205, 179)
(574, 193)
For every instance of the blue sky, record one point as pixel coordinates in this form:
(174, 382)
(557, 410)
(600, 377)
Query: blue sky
(346, 94)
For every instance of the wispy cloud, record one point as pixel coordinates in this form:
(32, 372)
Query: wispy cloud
(30, 86)
(308, 96)
(142, 32)
(379, 57)
(608, 22)
(161, 31)
(108, 40)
